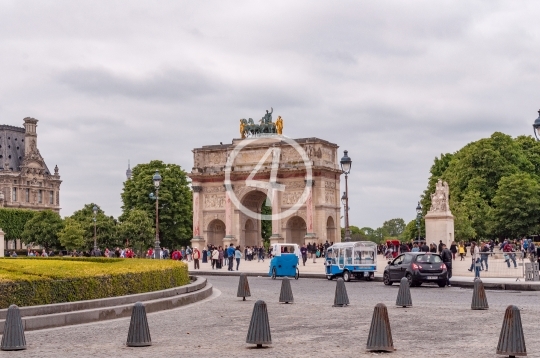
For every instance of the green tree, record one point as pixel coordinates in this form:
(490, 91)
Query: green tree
(175, 200)
(12, 221)
(137, 230)
(516, 209)
(72, 235)
(393, 227)
(410, 232)
(43, 229)
(356, 233)
(107, 234)
(266, 225)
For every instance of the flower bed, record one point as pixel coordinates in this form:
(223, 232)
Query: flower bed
(39, 281)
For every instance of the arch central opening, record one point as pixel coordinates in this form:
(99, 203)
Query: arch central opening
(250, 234)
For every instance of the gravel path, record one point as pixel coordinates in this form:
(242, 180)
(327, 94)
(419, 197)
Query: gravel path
(440, 324)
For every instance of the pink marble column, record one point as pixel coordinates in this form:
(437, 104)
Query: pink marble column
(275, 211)
(196, 218)
(228, 214)
(309, 208)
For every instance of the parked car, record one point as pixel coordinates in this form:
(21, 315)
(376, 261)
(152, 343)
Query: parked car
(417, 267)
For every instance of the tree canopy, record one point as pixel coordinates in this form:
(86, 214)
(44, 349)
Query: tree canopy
(136, 229)
(43, 229)
(175, 200)
(493, 187)
(107, 234)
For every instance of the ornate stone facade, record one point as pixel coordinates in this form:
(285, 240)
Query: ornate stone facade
(218, 220)
(25, 180)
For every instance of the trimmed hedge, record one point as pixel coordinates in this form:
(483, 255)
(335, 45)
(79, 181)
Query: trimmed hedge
(39, 281)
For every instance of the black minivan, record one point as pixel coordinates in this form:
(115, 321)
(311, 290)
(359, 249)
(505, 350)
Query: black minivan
(417, 267)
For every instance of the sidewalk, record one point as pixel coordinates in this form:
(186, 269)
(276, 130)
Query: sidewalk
(461, 277)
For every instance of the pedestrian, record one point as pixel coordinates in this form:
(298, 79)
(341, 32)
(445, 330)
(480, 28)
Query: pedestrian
(475, 252)
(461, 250)
(237, 256)
(220, 258)
(303, 251)
(453, 249)
(446, 256)
(314, 252)
(196, 257)
(215, 258)
(440, 247)
(189, 252)
(484, 255)
(230, 254)
(261, 253)
(509, 254)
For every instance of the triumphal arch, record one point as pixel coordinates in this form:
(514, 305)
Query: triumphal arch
(298, 179)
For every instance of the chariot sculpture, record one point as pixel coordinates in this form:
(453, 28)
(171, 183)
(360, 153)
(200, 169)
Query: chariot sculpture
(248, 128)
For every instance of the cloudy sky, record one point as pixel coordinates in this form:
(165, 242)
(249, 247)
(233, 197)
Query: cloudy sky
(396, 83)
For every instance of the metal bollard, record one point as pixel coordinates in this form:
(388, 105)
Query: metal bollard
(380, 334)
(340, 298)
(139, 333)
(243, 287)
(13, 338)
(511, 339)
(259, 327)
(286, 294)
(479, 298)
(404, 294)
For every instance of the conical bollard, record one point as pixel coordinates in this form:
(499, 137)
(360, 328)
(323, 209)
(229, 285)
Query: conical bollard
(139, 333)
(286, 294)
(341, 298)
(511, 340)
(243, 287)
(380, 334)
(404, 294)
(479, 299)
(259, 327)
(13, 338)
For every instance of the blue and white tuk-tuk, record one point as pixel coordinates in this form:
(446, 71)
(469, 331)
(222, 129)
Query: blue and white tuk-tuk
(284, 261)
(355, 259)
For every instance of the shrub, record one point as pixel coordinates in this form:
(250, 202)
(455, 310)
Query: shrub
(39, 281)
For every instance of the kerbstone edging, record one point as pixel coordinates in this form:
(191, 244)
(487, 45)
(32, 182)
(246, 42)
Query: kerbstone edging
(31, 323)
(40, 310)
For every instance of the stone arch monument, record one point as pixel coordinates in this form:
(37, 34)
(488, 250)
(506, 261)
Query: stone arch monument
(299, 179)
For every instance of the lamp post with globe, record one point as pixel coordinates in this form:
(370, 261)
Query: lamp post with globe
(157, 181)
(346, 163)
(418, 218)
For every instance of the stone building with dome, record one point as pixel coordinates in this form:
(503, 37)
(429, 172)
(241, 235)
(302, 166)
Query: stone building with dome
(25, 180)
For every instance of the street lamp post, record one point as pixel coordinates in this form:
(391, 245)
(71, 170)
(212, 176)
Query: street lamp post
(157, 246)
(95, 209)
(418, 218)
(346, 163)
(536, 126)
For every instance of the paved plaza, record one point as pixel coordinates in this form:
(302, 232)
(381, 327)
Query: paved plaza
(497, 268)
(440, 324)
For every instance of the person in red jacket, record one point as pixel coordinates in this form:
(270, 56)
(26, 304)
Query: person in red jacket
(196, 257)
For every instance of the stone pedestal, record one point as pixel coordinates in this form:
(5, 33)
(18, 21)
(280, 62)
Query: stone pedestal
(228, 240)
(310, 238)
(440, 226)
(198, 242)
(2, 248)
(276, 239)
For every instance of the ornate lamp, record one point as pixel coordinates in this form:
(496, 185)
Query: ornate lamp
(95, 210)
(346, 163)
(157, 246)
(536, 126)
(157, 179)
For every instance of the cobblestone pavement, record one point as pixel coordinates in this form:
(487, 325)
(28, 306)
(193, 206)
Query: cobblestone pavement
(440, 324)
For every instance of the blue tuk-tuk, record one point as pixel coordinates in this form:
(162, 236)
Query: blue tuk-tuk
(284, 261)
(355, 259)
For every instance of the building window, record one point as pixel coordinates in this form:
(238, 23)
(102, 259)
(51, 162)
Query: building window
(51, 197)
(14, 192)
(27, 195)
(40, 196)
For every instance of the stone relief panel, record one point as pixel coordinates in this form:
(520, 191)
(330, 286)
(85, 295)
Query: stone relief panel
(214, 201)
(330, 184)
(291, 198)
(289, 154)
(215, 158)
(329, 196)
(214, 189)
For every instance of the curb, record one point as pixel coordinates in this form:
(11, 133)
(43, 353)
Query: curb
(514, 286)
(116, 307)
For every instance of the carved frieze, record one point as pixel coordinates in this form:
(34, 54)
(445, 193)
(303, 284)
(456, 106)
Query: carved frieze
(291, 198)
(330, 184)
(329, 196)
(214, 201)
(214, 189)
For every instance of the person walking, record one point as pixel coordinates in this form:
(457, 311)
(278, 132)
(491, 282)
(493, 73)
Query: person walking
(303, 251)
(237, 256)
(484, 255)
(475, 252)
(453, 249)
(196, 257)
(230, 254)
(461, 250)
(215, 258)
(446, 256)
(314, 252)
(510, 255)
